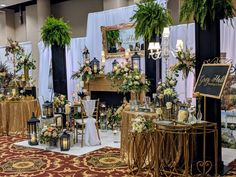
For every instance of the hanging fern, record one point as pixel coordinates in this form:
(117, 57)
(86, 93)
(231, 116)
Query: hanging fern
(55, 32)
(204, 11)
(150, 18)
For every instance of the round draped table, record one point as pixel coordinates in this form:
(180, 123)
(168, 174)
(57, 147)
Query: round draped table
(14, 115)
(127, 117)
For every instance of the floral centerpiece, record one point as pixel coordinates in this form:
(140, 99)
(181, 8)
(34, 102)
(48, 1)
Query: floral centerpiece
(166, 91)
(49, 135)
(59, 102)
(85, 72)
(119, 72)
(186, 62)
(135, 82)
(140, 124)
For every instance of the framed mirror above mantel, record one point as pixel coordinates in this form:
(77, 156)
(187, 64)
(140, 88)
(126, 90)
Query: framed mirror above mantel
(119, 41)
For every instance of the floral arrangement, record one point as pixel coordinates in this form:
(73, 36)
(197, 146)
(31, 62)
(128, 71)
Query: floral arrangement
(49, 134)
(140, 124)
(166, 90)
(119, 72)
(85, 72)
(135, 82)
(59, 101)
(13, 48)
(5, 76)
(25, 62)
(186, 62)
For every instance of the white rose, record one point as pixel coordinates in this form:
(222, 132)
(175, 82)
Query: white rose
(168, 105)
(172, 82)
(159, 88)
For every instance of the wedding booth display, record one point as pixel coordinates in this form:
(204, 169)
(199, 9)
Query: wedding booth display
(127, 79)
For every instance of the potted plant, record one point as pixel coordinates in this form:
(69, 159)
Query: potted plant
(56, 32)
(150, 18)
(206, 11)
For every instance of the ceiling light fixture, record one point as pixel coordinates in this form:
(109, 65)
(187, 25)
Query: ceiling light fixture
(3, 5)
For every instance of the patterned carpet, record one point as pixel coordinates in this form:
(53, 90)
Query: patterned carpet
(16, 161)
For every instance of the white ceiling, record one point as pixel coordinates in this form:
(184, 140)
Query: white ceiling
(11, 2)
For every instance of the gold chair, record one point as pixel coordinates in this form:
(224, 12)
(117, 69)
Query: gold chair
(82, 121)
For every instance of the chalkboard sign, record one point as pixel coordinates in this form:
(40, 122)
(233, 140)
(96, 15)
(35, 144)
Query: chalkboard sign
(211, 80)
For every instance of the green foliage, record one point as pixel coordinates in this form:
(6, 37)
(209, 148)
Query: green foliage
(206, 10)
(150, 19)
(55, 32)
(112, 37)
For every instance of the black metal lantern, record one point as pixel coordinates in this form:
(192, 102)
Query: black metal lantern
(59, 121)
(95, 65)
(65, 141)
(136, 61)
(32, 127)
(48, 109)
(114, 65)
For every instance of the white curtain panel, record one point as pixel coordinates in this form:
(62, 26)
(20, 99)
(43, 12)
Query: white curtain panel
(45, 76)
(74, 59)
(186, 33)
(228, 39)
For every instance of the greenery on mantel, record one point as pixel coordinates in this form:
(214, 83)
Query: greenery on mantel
(150, 19)
(204, 11)
(55, 32)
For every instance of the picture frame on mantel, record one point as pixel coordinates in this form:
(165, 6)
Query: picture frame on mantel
(212, 79)
(119, 41)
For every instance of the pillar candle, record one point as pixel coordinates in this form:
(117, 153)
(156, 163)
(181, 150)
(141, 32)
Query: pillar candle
(67, 109)
(33, 138)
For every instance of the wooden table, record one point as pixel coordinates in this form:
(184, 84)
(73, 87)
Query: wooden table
(14, 115)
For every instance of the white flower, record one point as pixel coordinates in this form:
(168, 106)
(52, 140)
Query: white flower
(130, 83)
(126, 69)
(137, 77)
(136, 83)
(163, 84)
(172, 82)
(159, 88)
(159, 111)
(54, 134)
(168, 105)
(168, 91)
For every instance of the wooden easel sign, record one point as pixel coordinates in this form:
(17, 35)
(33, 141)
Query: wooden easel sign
(211, 80)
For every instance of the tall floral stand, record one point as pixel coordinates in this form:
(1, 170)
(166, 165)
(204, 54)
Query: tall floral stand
(26, 73)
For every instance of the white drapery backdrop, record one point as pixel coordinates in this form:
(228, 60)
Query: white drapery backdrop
(74, 59)
(228, 40)
(185, 32)
(121, 15)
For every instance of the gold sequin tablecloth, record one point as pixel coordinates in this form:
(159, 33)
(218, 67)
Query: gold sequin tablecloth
(127, 117)
(14, 115)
